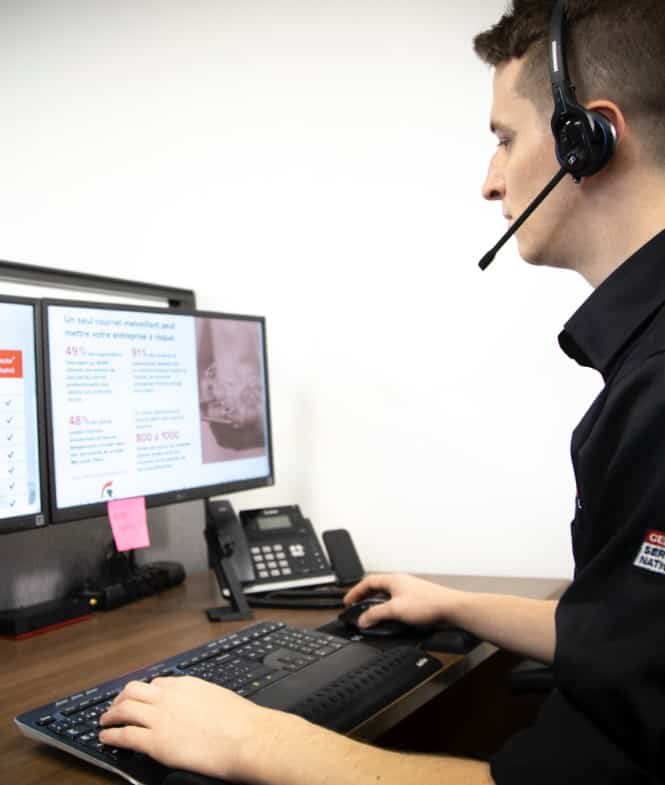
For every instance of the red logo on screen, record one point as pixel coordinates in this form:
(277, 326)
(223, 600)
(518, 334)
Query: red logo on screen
(11, 364)
(107, 490)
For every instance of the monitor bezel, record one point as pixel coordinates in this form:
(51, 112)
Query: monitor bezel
(99, 509)
(32, 521)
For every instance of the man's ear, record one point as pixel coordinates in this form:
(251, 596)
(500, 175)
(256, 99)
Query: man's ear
(611, 111)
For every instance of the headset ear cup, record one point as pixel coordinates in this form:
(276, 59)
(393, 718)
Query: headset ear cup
(603, 141)
(585, 141)
(574, 148)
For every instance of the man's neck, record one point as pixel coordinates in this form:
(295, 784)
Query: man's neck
(622, 221)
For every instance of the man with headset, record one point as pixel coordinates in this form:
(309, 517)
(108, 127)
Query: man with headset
(606, 637)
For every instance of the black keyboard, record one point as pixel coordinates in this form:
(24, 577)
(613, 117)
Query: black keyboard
(328, 680)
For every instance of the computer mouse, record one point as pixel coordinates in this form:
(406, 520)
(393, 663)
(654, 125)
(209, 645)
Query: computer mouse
(350, 616)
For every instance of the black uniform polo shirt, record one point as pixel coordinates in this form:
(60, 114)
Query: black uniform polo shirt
(605, 721)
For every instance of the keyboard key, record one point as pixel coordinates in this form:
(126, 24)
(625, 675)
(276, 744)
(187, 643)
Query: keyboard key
(60, 727)
(75, 731)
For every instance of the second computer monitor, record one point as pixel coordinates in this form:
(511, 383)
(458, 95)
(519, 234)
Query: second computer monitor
(170, 405)
(22, 498)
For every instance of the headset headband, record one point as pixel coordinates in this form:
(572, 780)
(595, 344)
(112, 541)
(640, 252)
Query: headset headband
(563, 91)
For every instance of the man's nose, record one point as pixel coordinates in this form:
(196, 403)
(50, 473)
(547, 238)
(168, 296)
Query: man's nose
(494, 187)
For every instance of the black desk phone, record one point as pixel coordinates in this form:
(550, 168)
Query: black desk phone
(277, 548)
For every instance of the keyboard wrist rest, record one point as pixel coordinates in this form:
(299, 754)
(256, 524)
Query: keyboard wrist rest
(348, 700)
(451, 640)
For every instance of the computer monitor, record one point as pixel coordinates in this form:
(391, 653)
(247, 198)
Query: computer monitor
(171, 405)
(22, 442)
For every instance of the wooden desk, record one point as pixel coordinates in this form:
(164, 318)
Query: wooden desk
(50, 666)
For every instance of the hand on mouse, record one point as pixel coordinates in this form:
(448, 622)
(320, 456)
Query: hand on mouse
(412, 600)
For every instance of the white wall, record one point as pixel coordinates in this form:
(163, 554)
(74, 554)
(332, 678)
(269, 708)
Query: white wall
(318, 162)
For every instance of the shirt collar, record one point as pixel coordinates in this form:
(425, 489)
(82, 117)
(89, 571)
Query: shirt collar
(609, 317)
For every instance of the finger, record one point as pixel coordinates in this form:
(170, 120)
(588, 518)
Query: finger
(368, 585)
(167, 682)
(376, 614)
(129, 737)
(136, 690)
(181, 683)
(129, 712)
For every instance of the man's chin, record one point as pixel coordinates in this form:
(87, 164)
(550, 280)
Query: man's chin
(542, 260)
(538, 255)
(531, 255)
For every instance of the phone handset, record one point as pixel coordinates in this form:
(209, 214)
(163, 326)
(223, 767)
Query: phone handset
(230, 559)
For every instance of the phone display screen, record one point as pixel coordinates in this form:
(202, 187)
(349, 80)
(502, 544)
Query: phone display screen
(274, 522)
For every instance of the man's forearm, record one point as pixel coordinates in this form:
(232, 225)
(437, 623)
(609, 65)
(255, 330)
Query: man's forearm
(518, 624)
(305, 754)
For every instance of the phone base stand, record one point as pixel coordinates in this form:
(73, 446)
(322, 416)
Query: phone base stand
(324, 597)
(221, 553)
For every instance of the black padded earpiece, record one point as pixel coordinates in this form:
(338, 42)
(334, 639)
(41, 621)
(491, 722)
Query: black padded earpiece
(584, 142)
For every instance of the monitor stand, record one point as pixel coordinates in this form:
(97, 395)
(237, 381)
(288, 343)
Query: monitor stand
(221, 554)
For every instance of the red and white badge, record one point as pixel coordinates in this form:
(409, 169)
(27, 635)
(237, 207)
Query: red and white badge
(652, 552)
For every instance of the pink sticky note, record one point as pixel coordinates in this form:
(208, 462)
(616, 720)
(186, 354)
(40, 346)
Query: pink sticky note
(129, 523)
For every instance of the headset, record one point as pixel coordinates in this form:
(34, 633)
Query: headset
(585, 140)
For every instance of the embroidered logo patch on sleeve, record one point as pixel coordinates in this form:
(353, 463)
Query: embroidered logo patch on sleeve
(652, 553)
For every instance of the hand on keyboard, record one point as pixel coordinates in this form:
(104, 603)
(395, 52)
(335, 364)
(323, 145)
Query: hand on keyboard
(187, 723)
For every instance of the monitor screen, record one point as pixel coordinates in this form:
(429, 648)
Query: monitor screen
(170, 405)
(22, 502)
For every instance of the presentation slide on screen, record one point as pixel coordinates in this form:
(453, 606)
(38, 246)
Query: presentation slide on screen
(19, 451)
(145, 403)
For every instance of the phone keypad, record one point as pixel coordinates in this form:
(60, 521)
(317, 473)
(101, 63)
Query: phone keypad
(295, 559)
(270, 561)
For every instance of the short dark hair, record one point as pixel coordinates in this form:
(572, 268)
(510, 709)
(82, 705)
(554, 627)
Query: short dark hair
(615, 48)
